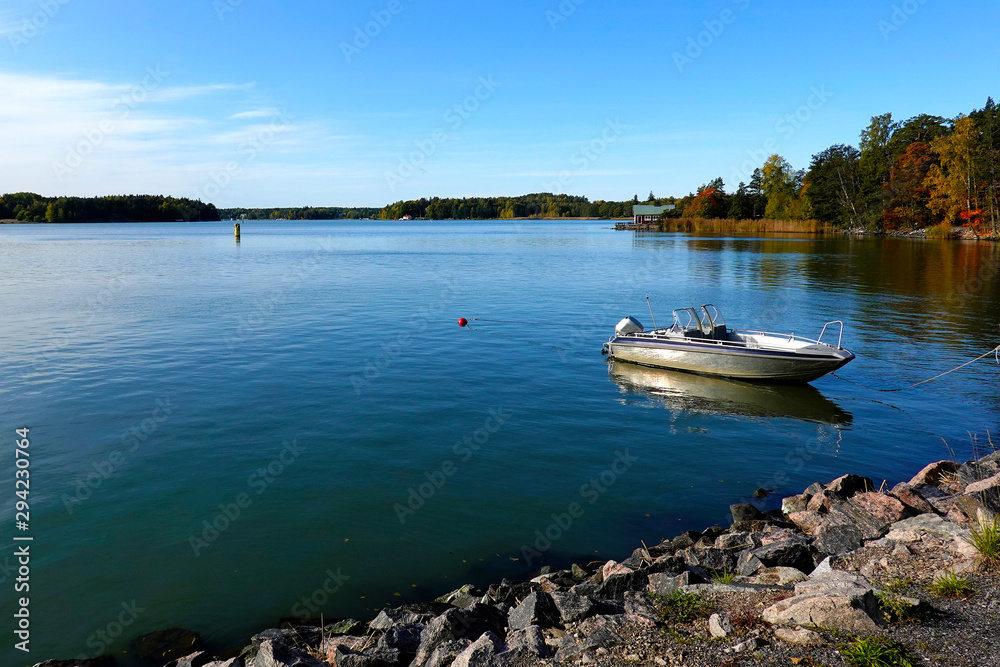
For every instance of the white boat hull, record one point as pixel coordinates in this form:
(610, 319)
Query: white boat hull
(797, 365)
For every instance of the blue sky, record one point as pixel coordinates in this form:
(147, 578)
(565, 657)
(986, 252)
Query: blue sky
(261, 103)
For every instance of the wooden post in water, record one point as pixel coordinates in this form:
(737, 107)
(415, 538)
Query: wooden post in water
(236, 231)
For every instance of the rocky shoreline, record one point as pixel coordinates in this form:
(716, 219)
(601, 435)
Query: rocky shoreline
(793, 586)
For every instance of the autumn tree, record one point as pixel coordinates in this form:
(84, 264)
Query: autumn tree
(952, 182)
(708, 203)
(874, 165)
(987, 122)
(782, 186)
(833, 188)
(907, 191)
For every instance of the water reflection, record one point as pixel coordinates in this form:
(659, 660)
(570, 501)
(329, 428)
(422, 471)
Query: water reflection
(699, 393)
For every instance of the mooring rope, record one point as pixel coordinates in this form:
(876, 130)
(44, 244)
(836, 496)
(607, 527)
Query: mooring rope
(994, 351)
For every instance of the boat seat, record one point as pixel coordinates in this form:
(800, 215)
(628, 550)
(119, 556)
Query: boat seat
(720, 332)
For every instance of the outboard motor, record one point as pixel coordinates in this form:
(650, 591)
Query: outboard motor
(629, 325)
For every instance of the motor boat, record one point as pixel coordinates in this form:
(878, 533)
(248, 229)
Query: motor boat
(700, 342)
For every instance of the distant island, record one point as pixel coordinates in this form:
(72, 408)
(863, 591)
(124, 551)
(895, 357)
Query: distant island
(29, 207)
(929, 174)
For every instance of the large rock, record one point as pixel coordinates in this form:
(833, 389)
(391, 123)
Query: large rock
(974, 471)
(906, 495)
(830, 599)
(406, 615)
(482, 653)
(778, 576)
(745, 512)
(529, 640)
(615, 586)
(941, 502)
(748, 564)
(572, 607)
(914, 528)
(401, 639)
(710, 558)
(986, 492)
(536, 609)
(165, 645)
(511, 592)
(932, 473)
(459, 623)
(685, 540)
(872, 513)
(835, 538)
(793, 504)
(462, 597)
(846, 613)
(788, 553)
(847, 486)
(737, 541)
(273, 653)
(808, 521)
(444, 654)
(231, 662)
(196, 659)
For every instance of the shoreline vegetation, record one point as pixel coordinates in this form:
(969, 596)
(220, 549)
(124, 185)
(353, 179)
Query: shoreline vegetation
(925, 173)
(842, 572)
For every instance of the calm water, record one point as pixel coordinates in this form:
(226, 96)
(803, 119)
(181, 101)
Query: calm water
(313, 380)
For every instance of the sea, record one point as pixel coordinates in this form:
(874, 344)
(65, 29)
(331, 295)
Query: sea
(218, 435)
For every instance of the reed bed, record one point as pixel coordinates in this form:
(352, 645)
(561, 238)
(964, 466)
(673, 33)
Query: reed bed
(762, 226)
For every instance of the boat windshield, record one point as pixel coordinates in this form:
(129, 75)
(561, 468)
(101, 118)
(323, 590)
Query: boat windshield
(686, 319)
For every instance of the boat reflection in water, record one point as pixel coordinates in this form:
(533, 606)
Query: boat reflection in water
(700, 393)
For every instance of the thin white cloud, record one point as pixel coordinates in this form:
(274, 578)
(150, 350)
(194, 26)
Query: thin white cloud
(66, 135)
(256, 113)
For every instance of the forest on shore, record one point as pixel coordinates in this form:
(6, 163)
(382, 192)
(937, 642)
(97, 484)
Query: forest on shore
(30, 207)
(922, 172)
(927, 171)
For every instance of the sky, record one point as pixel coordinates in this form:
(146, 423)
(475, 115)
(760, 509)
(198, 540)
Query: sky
(301, 103)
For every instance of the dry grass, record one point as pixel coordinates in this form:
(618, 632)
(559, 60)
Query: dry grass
(748, 226)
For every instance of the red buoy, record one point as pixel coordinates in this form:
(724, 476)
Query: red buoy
(462, 322)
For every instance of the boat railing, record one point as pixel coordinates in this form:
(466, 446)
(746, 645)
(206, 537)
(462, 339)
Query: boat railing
(839, 337)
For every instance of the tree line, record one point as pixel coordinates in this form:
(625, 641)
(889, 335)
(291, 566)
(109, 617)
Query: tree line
(30, 207)
(924, 171)
(537, 205)
(300, 213)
